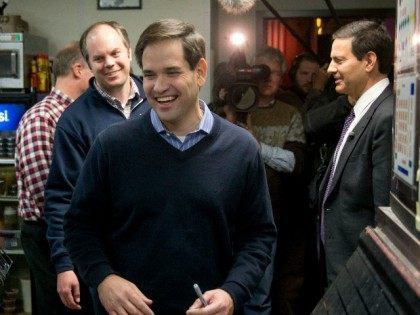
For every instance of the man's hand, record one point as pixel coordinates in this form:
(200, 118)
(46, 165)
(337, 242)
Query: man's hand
(222, 94)
(69, 290)
(321, 78)
(219, 303)
(119, 296)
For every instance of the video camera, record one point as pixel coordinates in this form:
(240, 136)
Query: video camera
(242, 91)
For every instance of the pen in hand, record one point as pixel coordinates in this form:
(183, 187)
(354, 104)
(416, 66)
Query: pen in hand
(200, 294)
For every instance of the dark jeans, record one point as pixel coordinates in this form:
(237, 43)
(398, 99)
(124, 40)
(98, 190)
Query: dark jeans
(44, 279)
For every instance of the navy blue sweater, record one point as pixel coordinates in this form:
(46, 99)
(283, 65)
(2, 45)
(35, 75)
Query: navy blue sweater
(165, 219)
(76, 130)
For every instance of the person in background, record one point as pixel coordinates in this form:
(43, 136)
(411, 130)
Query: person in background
(279, 130)
(302, 72)
(34, 146)
(224, 76)
(155, 211)
(358, 178)
(317, 102)
(323, 122)
(113, 96)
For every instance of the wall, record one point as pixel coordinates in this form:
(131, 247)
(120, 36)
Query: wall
(64, 20)
(251, 22)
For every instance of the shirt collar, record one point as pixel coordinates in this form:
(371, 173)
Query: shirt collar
(205, 125)
(369, 96)
(134, 92)
(60, 93)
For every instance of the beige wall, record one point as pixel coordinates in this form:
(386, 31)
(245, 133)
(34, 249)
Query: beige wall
(64, 20)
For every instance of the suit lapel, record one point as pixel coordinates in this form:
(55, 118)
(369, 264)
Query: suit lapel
(324, 182)
(350, 144)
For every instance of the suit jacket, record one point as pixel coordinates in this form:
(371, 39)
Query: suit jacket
(362, 182)
(323, 123)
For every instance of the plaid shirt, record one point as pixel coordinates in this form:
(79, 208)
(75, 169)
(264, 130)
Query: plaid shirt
(34, 143)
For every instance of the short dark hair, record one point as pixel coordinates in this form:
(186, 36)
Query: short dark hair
(193, 43)
(369, 36)
(305, 56)
(115, 25)
(65, 58)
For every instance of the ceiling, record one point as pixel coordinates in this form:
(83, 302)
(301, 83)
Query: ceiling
(308, 5)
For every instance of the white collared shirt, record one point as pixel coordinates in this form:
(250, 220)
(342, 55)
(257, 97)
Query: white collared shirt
(192, 138)
(360, 109)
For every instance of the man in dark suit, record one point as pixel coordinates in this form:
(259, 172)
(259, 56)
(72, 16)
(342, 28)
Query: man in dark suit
(358, 177)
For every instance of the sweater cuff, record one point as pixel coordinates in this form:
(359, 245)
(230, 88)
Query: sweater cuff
(62, 263)
(278, 158)
(238, 294)
(97, 274)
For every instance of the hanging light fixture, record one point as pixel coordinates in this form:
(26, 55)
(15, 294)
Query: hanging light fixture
(237, 7)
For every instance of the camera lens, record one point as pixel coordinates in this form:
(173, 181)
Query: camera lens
(244, 97)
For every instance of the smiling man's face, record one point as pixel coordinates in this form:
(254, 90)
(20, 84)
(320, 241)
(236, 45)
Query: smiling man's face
(171, 86)
(109, 59)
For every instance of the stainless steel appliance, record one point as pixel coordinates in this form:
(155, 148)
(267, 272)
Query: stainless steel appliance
(16, 51)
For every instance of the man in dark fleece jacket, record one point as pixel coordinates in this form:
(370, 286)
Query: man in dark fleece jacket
(113, 96)
(176, 197)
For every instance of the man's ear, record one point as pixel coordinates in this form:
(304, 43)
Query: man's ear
(76, 69)
(371, 61)
(201, 71)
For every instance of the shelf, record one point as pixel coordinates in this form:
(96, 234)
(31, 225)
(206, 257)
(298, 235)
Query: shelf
(9, 233)
(9, 199)
(14, 251)
(10, 240)
(5, 161)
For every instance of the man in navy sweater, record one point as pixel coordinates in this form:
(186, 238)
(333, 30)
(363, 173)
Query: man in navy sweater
(176, 197)
(113, 96)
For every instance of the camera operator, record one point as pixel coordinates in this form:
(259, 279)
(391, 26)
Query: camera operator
(279, 129)
(229, 90)
(224, 76)
(235, 91)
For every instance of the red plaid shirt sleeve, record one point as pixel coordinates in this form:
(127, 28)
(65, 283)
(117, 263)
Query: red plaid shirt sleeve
(34, 144)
